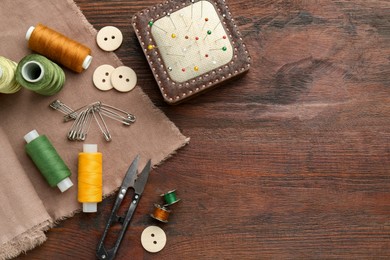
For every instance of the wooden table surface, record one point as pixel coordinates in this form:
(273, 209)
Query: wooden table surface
(290, 161)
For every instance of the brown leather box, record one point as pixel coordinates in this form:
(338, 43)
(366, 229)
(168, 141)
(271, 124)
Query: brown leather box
(191, 46)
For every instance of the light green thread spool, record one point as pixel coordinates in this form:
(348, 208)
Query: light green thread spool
(37, 73)
(170, 198)
(8, 83)
(48, 161)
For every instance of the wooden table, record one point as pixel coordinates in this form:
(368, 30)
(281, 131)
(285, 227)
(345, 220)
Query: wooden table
(291, 161)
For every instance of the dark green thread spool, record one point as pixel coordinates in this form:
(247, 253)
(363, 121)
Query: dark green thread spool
(48, 161)
(170, 198)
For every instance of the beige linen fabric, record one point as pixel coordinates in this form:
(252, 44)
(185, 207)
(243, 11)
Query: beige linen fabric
(23, 217)
(28, 204)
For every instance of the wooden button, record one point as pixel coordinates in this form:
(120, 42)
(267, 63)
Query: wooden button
(102, 77)
(109, 38)
(153, 239)
(123, 79)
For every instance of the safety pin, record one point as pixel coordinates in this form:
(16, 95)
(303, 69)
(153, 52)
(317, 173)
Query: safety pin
(73, 114)
(79, 130)
(86, 124)
(63, 108)
(83, 125)
(73, 133)
(105, 131)
(115, 116)
(117, 109)
(82, 117)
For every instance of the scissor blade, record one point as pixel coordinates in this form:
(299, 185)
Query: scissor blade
(131, 174)
(142, 179)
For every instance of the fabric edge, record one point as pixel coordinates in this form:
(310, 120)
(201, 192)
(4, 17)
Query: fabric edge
(80, 14)
(26, 241)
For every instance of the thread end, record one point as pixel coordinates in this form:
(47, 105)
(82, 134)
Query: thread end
(29, 32)
(90, 148)
(89, 207)
(87, 61)
(65, 184)
(31, 136)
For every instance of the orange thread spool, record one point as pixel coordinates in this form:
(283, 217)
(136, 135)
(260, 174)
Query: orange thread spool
(59, 48)
(160, 213)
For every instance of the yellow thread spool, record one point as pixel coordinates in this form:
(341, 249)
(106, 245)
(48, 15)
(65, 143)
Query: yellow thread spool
(90, 179)
(8, 83)
(59, 48)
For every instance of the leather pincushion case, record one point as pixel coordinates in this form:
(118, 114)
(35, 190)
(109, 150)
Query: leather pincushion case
(191, 46)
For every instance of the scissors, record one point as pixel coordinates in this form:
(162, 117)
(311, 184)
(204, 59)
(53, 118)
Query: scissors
(131, 180)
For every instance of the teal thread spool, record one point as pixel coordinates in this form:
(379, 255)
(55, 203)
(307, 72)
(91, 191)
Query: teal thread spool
(37, 73)
(48, 161)
(170, 198)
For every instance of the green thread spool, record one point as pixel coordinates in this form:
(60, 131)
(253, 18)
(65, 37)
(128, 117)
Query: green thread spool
(8, 83)
(170, 198)
(48, 161)
(37, 73)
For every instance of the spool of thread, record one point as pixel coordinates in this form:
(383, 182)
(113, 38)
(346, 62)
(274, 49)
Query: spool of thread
(160, 213)
(39, 74)
(90, 178)
(8, 83)
(58, 48)
(170, 198)
(48, 161)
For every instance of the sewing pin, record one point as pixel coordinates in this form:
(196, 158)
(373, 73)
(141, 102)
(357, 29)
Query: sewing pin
(190, 26)
(171, 54)
(223, 38)
(205, 21)
(184, 21)
(151, 23)
(192, 8)
(208, 33)
(223, 49)
(170, 18)
(201, 9)
(152, 46)
(219, 22)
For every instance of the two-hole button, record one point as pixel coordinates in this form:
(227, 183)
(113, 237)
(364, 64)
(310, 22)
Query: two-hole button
(109, 38)
(153, 239)
(106, 77)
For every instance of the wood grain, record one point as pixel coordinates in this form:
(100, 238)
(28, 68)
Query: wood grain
(291, 161)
